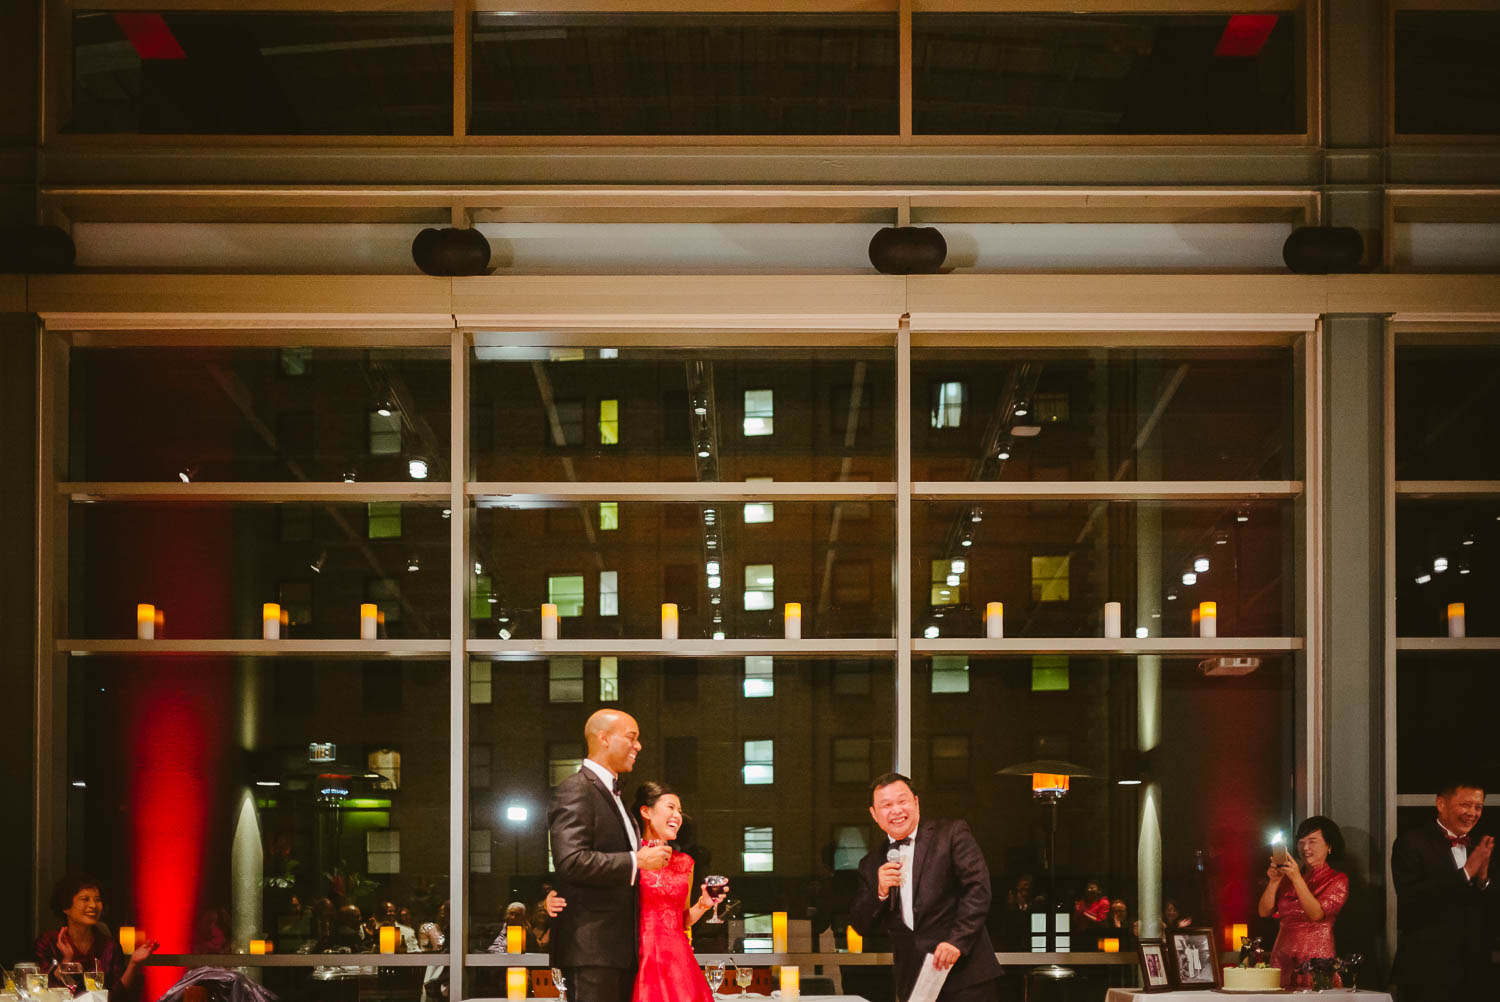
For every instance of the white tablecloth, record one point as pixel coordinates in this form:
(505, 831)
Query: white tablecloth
(1133, 994)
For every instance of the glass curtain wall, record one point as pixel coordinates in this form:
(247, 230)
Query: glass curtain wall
(270, 756)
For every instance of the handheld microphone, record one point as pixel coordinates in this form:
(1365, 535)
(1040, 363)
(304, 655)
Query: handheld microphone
(893, 855)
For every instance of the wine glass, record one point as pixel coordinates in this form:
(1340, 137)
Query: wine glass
(742, 977)
(716, 977)
(70, 973)
(1351, 965)
(716, 886)
(561, 983)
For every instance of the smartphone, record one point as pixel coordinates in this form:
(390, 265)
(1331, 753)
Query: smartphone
(1279, 854)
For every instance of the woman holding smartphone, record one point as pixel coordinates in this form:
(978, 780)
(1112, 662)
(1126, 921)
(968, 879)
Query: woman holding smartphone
(1306, 894)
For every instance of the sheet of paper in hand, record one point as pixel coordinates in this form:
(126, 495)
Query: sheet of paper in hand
(929, 982)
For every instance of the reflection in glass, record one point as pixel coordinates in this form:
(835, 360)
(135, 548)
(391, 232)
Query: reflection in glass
(774, 786)
(313, 415)
(1055, 563)
(725, 575)
(1103, 414)
(211, 568)
(1447, 553)
(711, 415)
(1447, 410)
(1107, 74)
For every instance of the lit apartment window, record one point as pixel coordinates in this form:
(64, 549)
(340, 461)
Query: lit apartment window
(760, 587)
(563, 759)
(948, 400)
(759, 512)
(481, 686)
(950, 582)
(609, 679)
(566, 592)
(383, 852)
(479, 850)
(759, 413)
(1049, 578)
(481, 758)
(609, 593)
(384, 519)
(483, 590)
(385, 434)
(1049, 673)
(848, 846)
(760, 766)
(609, 422)
(609, 516)
(759, 854)
(760, 677)
(851, 760)
(565, 680)
(950, 673)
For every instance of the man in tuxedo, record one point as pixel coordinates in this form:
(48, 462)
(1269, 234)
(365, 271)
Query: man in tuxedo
(934, 899)
(599, 857)
(1446, 904)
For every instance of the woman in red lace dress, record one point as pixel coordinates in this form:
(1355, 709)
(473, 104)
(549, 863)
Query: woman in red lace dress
(1306, 898)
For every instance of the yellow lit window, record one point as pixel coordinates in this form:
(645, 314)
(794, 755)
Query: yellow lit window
(1049, 579)
(609, 422)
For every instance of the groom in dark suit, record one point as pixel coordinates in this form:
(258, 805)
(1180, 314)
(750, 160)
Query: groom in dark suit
(1446, 903)
(599, 857)
(934, 899)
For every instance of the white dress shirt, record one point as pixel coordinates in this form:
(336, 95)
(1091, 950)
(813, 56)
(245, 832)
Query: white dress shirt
(609, 779)
(908, 891)
(1460, 852)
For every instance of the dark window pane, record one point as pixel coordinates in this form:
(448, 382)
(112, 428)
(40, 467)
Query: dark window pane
(1105, 414)
(1433, 694)
(1447, 552)
(257, 73)
(1447, 77)
(1106, 74)
(1447, 410)
(684, 74)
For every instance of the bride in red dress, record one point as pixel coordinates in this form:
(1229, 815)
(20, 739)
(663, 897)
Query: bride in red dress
(668, 971)
(1305, 898)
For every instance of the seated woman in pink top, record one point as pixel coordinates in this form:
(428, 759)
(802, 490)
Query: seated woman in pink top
(1306, 894)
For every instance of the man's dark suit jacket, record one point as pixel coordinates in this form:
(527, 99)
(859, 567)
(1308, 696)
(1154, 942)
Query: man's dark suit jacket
(1445, 923)
(591, 851)
(952, 886)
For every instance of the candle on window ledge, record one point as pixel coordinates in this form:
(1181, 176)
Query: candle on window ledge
(1112, 619)
(387, 939)
(515, 938)
(1455, 619)
(791, 982)
(145, 622)
(1208, 619)
(668, 621)
(778, 932)
(367, 626)
(257, 947)
(1110, 945)
(161, 624)
(549, 621)
(127, 938)
(794, 620)
(994, 620)
(515, 982)
(270, 621)
(856, 941)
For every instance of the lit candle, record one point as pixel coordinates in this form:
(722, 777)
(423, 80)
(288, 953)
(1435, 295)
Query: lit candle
(1112, 619)
(387, 939)
(515, 939)
(515, 982)
(286, 621)
(257, 947)
(994, 620)
(668, 621)
(778, 932)
(791, 982)
(145, 622)
(794, 620)
(1455, 619)
(1240, 933)
(270, 621)
(1208, 619)
(367, 626)
(380, 620)
(549, 621)
(161, 624)
(1110, 945)
(127, 938)
(1197, 615)
(856, 941)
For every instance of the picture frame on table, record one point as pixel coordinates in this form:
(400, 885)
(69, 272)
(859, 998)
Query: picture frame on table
(1156, 970)
(1193, 962)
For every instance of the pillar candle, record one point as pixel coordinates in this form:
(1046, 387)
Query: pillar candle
(856, 941)
(994, 620)
(127, 938)
(791, 982)
(668, 621)
(367, 621)
(794, 620)
(515, 939)
(549, 621)
(515, 982)
(778, 932)
(1112, 619)
(1455, 619)
(257, 947)
(161, 624)
(1110, 945)
(387, 939)
(1208, 619)
(145, 622)
(270, 621)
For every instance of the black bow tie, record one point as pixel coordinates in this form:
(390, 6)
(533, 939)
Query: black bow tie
(898, 842)
(616, 788)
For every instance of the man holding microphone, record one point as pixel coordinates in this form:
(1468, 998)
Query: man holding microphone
(928, 888)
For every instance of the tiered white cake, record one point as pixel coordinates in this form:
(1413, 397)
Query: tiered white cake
(1252, 979)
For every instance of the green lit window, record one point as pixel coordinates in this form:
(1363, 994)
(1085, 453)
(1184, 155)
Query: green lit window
(479, 597)
(760, 676)
(609, 516)
(566, 592)
(384, 519)
(609, 422)
(760, 413)
(760, 763)
(758, 857)
(1049, 673)
(1049, 578)
(609, 593)
(950, 581)
(481, 683)
(948, 400)
(609, 679)
(760, 587)
(950, 673)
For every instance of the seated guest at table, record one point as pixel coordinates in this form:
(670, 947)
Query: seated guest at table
(346, 935)
(1306, 894)
(1091, 909)
(1172, 918)
(84, 939)
(1117, 925)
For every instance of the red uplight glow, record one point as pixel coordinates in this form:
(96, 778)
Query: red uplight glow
(150, 36)
(1245, 35)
